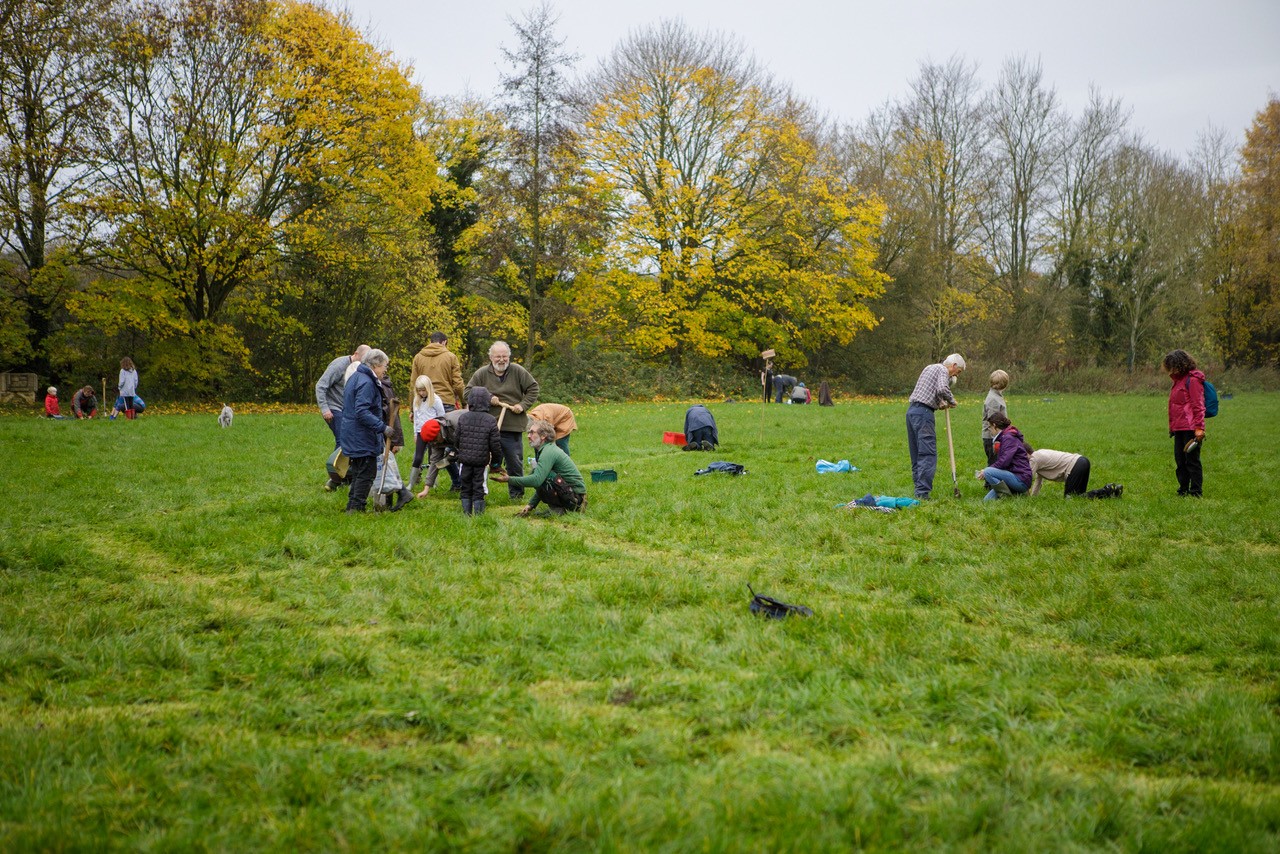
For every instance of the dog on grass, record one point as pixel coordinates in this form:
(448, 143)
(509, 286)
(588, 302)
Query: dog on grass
(224, 417)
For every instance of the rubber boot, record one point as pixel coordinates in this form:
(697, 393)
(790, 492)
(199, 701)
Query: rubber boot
(415, 477)
(131, 414)
(466, 507)
(1002, 489)
(405, 497)
(477, 507)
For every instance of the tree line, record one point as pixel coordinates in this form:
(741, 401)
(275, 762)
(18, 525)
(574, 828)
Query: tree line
(233, 191)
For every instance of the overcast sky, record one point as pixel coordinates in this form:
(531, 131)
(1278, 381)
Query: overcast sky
(1180, 66)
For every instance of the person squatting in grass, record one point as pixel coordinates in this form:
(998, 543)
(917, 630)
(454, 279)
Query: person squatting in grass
(478, 445)
(700, 433)
(363, 429)
(555, 480)
(51, 407)
(427, 405)
(932, 392)
(1010, 472)
(84, 403)
(558, 416)
(512, 385)
(993, 404)
(1186, 421)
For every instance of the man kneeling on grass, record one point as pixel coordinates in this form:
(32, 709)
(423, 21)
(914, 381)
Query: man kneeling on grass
(555, 480)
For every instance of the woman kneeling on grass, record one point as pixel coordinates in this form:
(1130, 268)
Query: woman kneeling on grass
(1010, 472)
(555, 480)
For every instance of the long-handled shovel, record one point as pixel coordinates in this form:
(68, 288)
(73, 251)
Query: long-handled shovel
(501, 415)
(951, 446)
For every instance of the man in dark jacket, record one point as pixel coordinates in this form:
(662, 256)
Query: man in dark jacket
(363, 428)
(478, 446)
(700, 433)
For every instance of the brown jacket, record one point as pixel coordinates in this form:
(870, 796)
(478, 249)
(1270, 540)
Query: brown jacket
(557, 415)
(444, 371)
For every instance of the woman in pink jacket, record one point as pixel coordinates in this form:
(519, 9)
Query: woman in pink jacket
(1186, 420)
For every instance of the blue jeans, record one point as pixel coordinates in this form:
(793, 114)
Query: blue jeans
(922, 441)
(992, 476)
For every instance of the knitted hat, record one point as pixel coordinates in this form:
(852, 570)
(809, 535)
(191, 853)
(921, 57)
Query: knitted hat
(53, 391)
(430, 430)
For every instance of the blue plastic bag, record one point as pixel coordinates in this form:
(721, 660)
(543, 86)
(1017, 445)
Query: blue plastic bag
(827, 467)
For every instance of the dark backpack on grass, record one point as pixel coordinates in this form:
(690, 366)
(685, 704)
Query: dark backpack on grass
(772, 608)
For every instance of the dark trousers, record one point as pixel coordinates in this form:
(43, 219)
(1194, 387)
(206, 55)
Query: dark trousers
(1187, 465)
(559, 496)
(472, 478)
(989, 445)
(922, 442)
(702, 434)
(333, 423)
(513, 459)
(361, 471)
(780, 388)
(1078, 478)
(563, 444)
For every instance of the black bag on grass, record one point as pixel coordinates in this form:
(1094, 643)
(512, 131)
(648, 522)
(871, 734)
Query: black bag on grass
(772, 608)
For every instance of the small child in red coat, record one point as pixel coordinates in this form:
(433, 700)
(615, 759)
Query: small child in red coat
(51, 407)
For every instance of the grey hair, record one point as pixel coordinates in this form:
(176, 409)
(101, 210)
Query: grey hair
(955, 359)
(374, 358)
(499, 344)
(543, 429)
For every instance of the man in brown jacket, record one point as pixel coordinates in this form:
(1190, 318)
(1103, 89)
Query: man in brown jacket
(442, 368)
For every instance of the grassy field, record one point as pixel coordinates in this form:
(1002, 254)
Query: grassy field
(198, 650)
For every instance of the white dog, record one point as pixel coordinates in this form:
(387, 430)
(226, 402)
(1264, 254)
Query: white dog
(224, 418)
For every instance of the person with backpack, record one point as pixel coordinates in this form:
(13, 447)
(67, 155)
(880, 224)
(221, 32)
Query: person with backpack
(1187, 411)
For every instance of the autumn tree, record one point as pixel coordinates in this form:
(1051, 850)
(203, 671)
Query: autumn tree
(51, 70)
(1259, 322)
(541, 164)
(1218, 245)
(1024, 152)
(1089, 143)
(702, 155)
(941, 161)
(240, 131)
(1146, 245)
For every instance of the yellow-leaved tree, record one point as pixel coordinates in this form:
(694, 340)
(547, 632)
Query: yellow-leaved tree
(727, 230)
(244, 134)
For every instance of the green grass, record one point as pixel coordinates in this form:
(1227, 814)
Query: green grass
(198, 650)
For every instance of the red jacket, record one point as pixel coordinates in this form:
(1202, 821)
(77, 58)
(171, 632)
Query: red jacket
(51, 407)
(1186, 402)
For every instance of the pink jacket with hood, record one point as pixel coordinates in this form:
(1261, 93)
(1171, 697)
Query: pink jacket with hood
(1186, 402)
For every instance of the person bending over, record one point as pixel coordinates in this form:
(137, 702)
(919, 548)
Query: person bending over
(700, 433)
(932, 392)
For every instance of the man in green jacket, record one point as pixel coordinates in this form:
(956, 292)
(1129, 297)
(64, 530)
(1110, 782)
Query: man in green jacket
(555, 480)
(514, 389)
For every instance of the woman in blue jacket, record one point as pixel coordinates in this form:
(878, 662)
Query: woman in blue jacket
(363, 429)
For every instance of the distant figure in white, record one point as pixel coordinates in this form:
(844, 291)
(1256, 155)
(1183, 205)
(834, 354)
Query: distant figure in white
(224, 417)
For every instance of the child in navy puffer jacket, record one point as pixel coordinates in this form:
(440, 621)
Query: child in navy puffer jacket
(478, 445)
